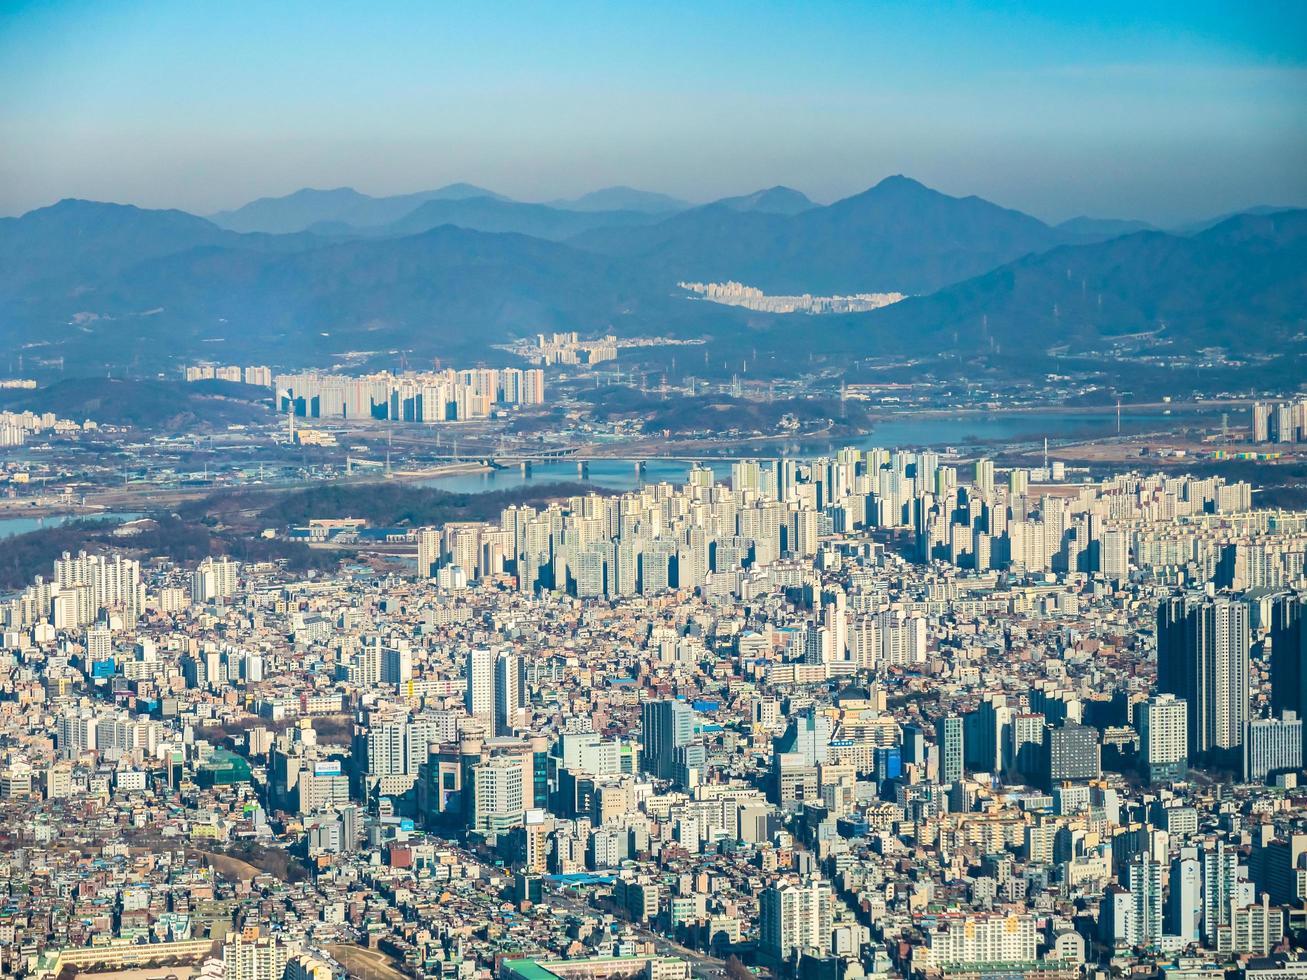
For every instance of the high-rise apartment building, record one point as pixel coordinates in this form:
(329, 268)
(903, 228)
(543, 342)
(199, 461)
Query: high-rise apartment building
(985, 478)
(1144, 881)
(264, 958)
(213, 578)
(480, 696)
(1184, 906)
(1164, 737)
(428, 551)
(397, 664)
(957, 942)
(1288, 643)
(510, 692)
(952, 749)
(1202, 656)
(795, 918)
(1222, 880)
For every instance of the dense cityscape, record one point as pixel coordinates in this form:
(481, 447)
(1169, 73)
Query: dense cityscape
(869, 715)
(467, 514)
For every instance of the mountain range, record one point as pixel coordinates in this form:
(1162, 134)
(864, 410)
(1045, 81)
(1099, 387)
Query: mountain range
(298, 279)
(343, 205)
(1239, 285)
(898, 236)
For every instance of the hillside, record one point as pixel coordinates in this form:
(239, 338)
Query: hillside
(146, 404)
(447, 292)
(394, 505)
(58, 265)
(185, 541)
(680, 415)
(897, 236)
(1240, 286)
(74, 244)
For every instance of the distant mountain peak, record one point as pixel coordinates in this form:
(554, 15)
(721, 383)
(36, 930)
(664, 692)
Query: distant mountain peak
(77, 208)
(901, 183)
(902, 190)
(83, 204)
(622, 198)
(460, 190)
(324, 191)
(770, 200)
(894, 180)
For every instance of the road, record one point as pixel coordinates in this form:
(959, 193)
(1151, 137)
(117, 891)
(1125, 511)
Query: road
(368, 964)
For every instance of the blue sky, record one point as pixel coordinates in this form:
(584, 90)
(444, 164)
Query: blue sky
(1160, 111)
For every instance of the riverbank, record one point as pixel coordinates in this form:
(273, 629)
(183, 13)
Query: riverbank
(141, 500)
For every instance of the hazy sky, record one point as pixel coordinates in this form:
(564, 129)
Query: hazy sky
(1162, 111)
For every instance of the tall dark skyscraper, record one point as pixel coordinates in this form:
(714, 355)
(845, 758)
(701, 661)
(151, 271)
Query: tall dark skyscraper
(1289, 654)
(669, 743)
(1202, 656)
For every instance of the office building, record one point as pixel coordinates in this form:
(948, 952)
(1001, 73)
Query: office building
(1272, 745)
(499, 794)
(670, 749)
(1071, 754)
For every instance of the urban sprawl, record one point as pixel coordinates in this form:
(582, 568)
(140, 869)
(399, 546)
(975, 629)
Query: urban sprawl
(870, 716)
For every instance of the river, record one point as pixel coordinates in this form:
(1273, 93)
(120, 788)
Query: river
(11, 526)
(933, 431)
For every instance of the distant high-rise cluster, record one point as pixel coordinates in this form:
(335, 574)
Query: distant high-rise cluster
(1183, 530)
(1280, 422)
(214, 579)
(82, 589)
(15, 427)
(437, 396)
(752, 298)
(566, 348)
(252, 375)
